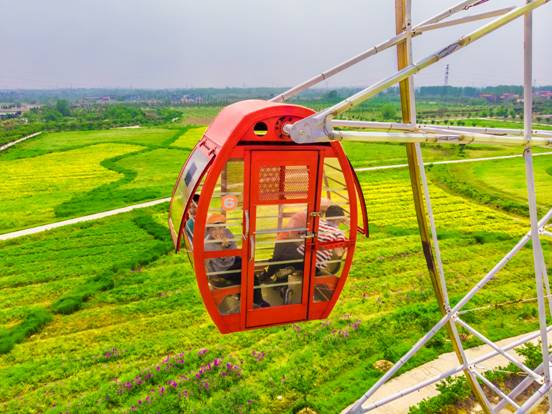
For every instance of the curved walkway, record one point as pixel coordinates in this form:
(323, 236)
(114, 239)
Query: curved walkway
(96, 216)
(442, 364)
(17, 141)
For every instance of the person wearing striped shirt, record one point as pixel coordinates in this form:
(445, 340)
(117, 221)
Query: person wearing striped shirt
(328, 231)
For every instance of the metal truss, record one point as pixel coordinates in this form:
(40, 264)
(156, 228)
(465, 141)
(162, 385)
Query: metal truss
(321, 127)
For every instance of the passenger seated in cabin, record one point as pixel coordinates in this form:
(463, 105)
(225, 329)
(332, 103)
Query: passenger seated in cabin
(218, 237)
(329, 231)
(299, 220)
(191, 217)
(292, 250)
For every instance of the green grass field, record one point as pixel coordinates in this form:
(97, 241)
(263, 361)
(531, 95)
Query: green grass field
(102, 316)
(124, 343)
(66, 174)
(499, 183)
(128, 166)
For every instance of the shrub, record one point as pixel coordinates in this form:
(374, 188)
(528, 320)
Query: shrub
(32, 323)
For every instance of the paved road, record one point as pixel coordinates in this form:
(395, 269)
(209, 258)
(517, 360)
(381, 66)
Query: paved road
(39, 229)
(17, 141)
(432, 369)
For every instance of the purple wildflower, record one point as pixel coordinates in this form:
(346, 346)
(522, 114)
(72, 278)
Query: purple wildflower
(202, 351)
(216, 362)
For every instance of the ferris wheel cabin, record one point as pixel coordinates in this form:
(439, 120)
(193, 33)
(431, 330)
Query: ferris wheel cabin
(269, 225)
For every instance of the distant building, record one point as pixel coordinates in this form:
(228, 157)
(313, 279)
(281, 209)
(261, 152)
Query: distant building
(489, 97)
(544, 94)
(509, 97)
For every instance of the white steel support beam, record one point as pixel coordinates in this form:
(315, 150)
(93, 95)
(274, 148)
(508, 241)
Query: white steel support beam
(462, 20)
(398, 126)
(315, 128)
(455, 371)
(534, 399)
(538, 257)
(357, 406)
(290, 93)
(320, 127)
(494, 388)
(447, 137)
(536, 377)
(518, 389)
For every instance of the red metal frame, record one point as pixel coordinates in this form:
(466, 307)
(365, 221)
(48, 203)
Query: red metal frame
(231, 135)
(268, 158)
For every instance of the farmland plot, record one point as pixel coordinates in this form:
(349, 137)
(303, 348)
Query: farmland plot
(147, 342)
(63, 175)
(499, 183)
(35, 186)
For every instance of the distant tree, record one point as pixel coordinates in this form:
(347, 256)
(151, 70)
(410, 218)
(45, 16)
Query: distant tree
(62, 106)
(332, 95)
(52, 114)
(388, 111)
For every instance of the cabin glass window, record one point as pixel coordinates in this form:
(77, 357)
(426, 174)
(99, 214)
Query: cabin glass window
(329, 268)
(335, 193)
(189, 178)
(279, 254)
(224, 235)
(224, 227)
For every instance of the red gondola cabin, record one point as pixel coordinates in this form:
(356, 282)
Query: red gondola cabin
(269, 225)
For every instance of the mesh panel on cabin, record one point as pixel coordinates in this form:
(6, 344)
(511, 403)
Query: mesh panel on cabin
(283, 183)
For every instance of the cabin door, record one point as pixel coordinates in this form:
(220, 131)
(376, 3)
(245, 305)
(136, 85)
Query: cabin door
(282, 198)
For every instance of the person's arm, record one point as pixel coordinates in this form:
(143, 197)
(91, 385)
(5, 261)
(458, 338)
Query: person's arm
(228, 241)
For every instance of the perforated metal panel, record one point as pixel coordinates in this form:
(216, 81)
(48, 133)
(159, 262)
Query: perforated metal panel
(283, 183)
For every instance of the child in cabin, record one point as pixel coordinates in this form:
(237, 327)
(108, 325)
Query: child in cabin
(219, 269)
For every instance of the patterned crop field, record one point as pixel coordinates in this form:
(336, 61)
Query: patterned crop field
(35, 186)
(144, 342)
(68, 174)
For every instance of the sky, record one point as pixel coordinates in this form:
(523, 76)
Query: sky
(217, 43)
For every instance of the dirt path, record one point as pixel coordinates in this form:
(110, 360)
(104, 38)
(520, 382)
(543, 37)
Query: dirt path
(501, 157)
(431, 369)
(97, 216)
(17, 141)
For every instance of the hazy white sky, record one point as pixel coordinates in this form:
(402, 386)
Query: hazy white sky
(184, 43)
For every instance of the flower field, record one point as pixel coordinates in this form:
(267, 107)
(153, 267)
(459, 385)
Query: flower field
(122, 327)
